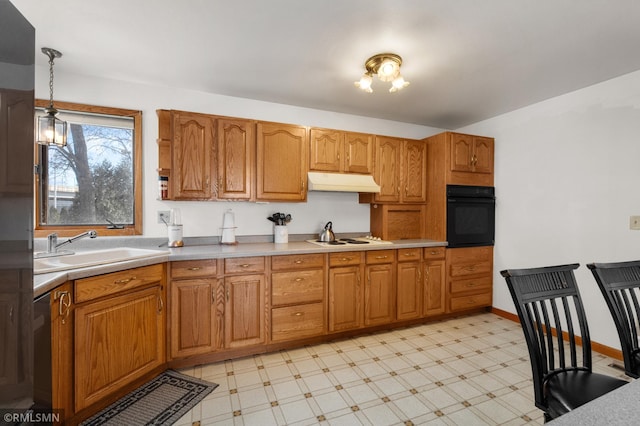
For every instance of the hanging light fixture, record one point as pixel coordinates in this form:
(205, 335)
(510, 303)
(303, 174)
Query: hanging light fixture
(387, 67)
(51, 130)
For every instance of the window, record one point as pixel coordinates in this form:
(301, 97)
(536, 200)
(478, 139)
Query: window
(95, 182)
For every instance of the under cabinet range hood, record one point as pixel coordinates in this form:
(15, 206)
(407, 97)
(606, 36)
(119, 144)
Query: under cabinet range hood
(342, 182)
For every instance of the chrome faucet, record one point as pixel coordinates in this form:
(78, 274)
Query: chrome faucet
(53, 244)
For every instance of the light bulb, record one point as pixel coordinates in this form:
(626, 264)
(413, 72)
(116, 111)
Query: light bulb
(365, 83)
(398, 83)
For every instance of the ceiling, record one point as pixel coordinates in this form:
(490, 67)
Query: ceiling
(467, 60)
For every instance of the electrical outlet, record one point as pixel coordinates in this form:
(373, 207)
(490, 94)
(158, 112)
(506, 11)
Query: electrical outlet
(634, 222)
(164, 216)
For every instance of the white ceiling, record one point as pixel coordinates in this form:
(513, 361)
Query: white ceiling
(467, 60)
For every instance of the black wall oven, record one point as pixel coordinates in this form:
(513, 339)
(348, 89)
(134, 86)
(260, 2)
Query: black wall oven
(470, 216)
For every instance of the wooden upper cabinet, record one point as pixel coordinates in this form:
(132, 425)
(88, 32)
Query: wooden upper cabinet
(401, 171)
(387, 169)
(192, 155)
(281, 162)
(471, 153)
(326, 150)
(414, 176)
(235, 147)
(358, 148)
(341, 152)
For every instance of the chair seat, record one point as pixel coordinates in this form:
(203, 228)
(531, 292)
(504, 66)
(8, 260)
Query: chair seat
(568, 390)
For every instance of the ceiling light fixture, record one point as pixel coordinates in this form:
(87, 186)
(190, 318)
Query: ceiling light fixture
(387, 67)
(51, 130)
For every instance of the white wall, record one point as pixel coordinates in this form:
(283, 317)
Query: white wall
(567, 180)
(205, 218)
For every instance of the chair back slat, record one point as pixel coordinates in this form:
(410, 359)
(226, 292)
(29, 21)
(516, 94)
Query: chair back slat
(553, 321)
(620, 285)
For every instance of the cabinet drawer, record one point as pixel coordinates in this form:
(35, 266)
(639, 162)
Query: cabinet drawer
(433, 253)
(381, 256)
(297, 287)
(194, 268)
(478, 268)
(472, 285)
(462, 303)
(299, 261)
(294, 322)
(244, 264)
(116, 282)
(405, 255)
(345, 258)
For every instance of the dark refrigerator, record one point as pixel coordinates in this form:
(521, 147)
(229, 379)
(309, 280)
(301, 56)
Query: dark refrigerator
(17, 54)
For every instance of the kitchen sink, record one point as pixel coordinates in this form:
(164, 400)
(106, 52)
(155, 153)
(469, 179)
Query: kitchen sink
(92, 258)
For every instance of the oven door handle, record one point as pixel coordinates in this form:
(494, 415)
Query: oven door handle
(483, 200)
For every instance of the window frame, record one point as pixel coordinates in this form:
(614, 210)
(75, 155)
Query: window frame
(71, 230)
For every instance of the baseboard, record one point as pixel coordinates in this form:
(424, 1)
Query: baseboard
(595, 346)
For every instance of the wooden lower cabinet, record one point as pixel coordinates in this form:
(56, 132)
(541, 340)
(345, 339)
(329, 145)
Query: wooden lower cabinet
(195, 308)
(380, 287)
(435, 282)
(193, 317)
(297, 297)
(244, 310)
(409, 284)
(469, 278)
(117, 340)
(62, 349)
(345, 297)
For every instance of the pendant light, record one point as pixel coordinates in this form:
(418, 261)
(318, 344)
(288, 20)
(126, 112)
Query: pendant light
(51, 130)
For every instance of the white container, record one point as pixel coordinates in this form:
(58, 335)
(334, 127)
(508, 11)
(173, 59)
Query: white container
(280, 234)
(175, 235)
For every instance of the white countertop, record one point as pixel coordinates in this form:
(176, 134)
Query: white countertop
(46, 282)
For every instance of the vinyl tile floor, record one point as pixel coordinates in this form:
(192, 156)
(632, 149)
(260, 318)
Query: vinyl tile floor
(471, 370)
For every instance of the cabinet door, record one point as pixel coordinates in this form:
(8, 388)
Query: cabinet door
(461, 152)
(244, 310)
(434, 288)
(236, 145)
(345, 298)
(117, 340)
(281, 162)
(415, 171)
(16, 141)
(482, 159)
(193, 322)
(358, 148)
(409, 294)
(192, 157)
(387, 169)
(326, 149)
(379, 292)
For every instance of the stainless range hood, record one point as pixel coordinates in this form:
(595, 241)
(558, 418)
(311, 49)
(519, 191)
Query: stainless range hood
(342, 182)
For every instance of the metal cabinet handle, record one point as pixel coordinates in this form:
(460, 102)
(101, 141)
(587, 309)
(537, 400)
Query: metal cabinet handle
(298, 314)
(195, 268)
(64, 304)
(346, 259)
(213, 296)
(299, 279)
(410, 254)
(227, 290)
(245, 265)
(381, 257)
(11, 314)
(471, 284)
(125, 280)
(160, 304)
(298, 262)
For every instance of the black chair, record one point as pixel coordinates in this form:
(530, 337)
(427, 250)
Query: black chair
(555, 328)
(620, 286)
